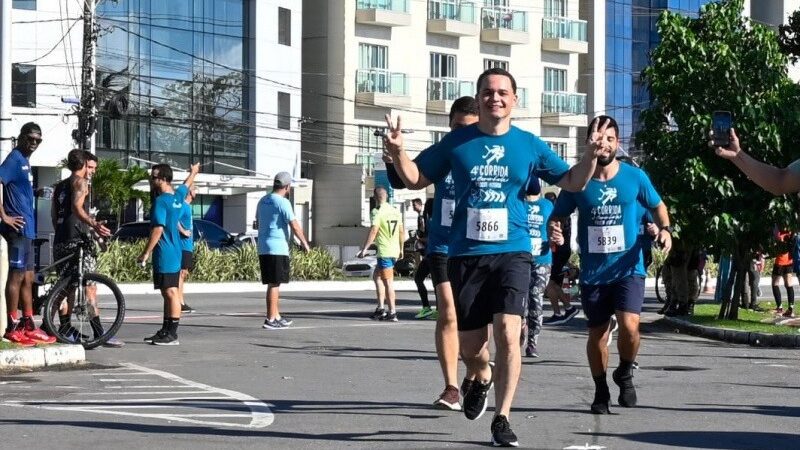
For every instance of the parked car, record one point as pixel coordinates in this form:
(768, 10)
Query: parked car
(214, 235)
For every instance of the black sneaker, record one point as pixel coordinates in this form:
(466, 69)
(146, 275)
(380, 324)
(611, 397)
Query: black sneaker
(502, 435)
(185, 308)
(165, 339)
(379, 314)
(555, 319)
(570, 313)
(149, 339)
(389, 317)
(476, 401)
(466, 385)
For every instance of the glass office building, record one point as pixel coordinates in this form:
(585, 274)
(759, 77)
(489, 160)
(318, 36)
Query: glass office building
(631, 33)
(178, 68)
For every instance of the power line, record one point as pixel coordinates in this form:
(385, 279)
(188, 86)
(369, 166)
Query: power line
(54, 47)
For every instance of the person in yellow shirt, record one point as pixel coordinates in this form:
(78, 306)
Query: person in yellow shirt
(387, 234)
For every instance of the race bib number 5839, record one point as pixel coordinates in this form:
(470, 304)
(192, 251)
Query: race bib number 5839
(609, 239)
(487, 224)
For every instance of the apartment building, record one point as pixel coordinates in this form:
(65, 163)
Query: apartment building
(363, 59)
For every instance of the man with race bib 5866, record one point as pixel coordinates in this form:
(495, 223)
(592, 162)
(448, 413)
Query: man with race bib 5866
(492, 163)
(612, 263)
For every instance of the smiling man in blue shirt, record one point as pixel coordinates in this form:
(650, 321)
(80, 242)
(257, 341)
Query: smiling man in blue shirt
(492, 163)
(612, 263)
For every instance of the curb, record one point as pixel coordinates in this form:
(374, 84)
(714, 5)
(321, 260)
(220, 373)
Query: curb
(38, 357)
(751, 338)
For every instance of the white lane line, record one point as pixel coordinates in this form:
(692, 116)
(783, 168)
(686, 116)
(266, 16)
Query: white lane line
(166, 386)
(260, 414)
(146, 393)
(124, 379)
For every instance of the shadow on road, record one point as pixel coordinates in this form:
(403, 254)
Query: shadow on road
(723, 440)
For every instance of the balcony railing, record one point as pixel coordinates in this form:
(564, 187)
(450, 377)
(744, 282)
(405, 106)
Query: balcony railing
(563, 103)
(522, 98)
(367, 161)
(386, 5)
(505, 18)
(564, 28)
(452, 10)
(381, 81)
(449, 89)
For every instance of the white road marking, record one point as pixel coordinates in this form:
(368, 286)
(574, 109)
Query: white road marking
(212, 397)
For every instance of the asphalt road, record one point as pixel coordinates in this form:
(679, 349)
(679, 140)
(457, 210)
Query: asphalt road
(337, 379)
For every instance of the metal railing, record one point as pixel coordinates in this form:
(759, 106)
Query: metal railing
(564, 28)
(367, 161)
(449, 88)
(563, 103)
(452, 10)
(388, 5)
(381, 81)
(506, 18)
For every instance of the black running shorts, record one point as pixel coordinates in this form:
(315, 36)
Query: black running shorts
(274, 269)
(486, 285)
(166, 280)
(438, 266)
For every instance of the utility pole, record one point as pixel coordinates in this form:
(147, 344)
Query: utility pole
(5, 133)
(87, 116)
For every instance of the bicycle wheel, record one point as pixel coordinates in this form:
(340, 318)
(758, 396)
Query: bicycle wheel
(661, 289)
(91, 322)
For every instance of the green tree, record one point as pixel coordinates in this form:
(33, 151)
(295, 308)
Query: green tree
(719, 61)
(113, 187)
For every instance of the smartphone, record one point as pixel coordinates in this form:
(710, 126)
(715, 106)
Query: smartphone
(721, 123)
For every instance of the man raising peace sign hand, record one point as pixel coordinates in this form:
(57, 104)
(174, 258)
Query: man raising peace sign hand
(492, 164)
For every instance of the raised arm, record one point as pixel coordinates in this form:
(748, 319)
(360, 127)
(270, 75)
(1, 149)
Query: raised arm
(406, 169)
(579, 175)
(193, 171)
(775, 180)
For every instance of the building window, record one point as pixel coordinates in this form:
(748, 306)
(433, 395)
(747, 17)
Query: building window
(23, 85)
(368, 146)
(284, 26)
(555, 80)
(284, 111)
(494, 63)
(555, 8)
(496, 3)
(559, 148)
(372, 56)
(437, 136)
(443, 65)
(24, 4)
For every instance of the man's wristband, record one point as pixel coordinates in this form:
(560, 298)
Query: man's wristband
(667, 228)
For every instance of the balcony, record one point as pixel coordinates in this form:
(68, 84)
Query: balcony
(452, 19)
(504, 26)
(564, 35)
(443, 91)
(386, 13)
(379, 87)
(564, 109)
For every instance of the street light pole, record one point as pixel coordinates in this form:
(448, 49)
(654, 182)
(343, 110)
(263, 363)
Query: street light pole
(87, 115)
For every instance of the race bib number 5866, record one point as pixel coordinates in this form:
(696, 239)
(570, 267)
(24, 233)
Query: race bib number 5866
(487, 224)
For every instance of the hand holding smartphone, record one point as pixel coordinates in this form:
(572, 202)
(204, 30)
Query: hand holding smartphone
(721, 123)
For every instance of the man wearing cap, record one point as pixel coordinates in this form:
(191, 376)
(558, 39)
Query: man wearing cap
(274, 216)
(18, 228)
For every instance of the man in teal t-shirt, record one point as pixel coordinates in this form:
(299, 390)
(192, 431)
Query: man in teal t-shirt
(612, 264)
(491, 163)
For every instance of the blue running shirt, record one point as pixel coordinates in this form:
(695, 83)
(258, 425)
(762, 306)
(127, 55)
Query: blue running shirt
(15, 174)
(490, 174)
(186, 221)
(609, 214)
(538, 214)
(274, 213)
(166, 213)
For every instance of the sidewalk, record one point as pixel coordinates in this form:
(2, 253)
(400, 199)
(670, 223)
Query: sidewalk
(38, 357)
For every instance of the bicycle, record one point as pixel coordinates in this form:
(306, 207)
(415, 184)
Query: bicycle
(91, 322)
(661, 288)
